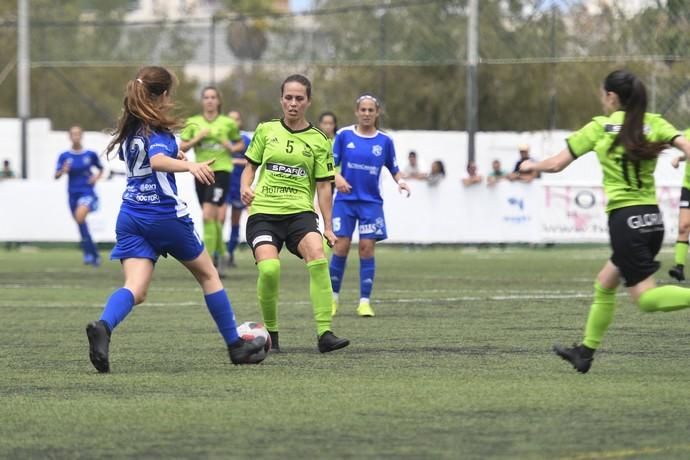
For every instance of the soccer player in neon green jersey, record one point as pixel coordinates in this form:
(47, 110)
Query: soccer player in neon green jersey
(294, 160)
(683, 221)
(627, 142)
(214, 137)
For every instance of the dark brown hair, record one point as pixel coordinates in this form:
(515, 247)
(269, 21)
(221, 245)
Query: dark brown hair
(301, 79)
(143, 106)
(632, 95)
(218, 95)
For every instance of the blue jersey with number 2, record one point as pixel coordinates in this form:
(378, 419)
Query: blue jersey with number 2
(149, 193)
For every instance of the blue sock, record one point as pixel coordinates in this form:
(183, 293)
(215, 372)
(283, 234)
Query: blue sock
(337, 269)
(234, 238)
(118, 307)
(219, 306)
(87, 243)
(367, 270)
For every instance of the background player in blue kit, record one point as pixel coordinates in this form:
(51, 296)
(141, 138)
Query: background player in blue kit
(79, 166)
(153, 220)
(234, 199)
(361, 151)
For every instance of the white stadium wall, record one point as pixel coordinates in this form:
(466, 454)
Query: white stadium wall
(566, 207)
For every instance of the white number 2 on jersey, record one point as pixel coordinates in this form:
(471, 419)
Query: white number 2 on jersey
(137, 161)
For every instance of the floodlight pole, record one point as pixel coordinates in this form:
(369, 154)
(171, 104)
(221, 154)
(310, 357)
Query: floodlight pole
(23, 78)
(471, 96)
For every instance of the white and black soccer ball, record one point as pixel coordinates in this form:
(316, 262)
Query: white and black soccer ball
(252, 331)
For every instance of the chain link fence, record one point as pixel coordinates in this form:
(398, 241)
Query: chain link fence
(541, 62)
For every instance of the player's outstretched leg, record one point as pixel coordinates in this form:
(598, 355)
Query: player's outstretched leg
(218, 304)
(598, 321)
(664, 299)
(321, 295)
(267, 291)
(118, 306)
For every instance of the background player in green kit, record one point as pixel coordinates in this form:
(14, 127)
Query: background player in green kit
(294, 160)
(214, 137)
(627, 142)
(681, 252)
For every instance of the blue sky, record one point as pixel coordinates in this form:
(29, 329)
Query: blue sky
(300, 5)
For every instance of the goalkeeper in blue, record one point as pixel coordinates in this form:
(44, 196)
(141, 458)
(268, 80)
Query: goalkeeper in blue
(361, 151)
(153, 220)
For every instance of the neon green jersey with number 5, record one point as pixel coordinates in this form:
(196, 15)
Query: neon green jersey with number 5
(289, 165)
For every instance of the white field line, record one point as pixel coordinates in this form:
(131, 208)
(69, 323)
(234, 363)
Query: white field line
(415, 300)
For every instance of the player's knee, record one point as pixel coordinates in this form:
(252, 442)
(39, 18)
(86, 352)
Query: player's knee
(269, 269)
(139, 295)
(684, 229)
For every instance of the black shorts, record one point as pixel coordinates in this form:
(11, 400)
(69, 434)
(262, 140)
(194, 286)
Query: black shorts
(684, 198)
(637, 233)
(277, 229)
(216, 192)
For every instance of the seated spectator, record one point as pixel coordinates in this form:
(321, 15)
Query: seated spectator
(438, 172)
(413, 169)
(516, 175)
(472, 177)
(6, 172)
(496, 173)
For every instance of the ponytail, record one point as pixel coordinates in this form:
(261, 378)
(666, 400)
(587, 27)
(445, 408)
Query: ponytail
(143, 107)
(632, 95)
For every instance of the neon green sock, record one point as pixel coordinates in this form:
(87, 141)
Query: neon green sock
(267, 290)
(321, 294)
(681, 252)
(664, 298)
(220, 246)
(210, 236)
(600, 315)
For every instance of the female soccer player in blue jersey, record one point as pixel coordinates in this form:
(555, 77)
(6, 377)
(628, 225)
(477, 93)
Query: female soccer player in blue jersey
(361, 151)
(234, 199)
(627, 142)
(153, 220)
(79, 164)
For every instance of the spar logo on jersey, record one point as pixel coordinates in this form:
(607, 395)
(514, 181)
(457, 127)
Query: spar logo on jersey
(615, 129)
(285, 170)
(377, 150)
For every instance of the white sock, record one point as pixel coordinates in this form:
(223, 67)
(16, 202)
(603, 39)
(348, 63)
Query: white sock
(336, 295)
(364, 299)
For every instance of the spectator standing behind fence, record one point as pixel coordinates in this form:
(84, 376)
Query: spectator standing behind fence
(328, 123)
(472, 177)
(78, 164)
(496, 173)
(6, 172)
(413, 170)
(522, 176)
(437, 173)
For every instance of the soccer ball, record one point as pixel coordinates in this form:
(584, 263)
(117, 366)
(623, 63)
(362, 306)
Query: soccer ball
(256, 332)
